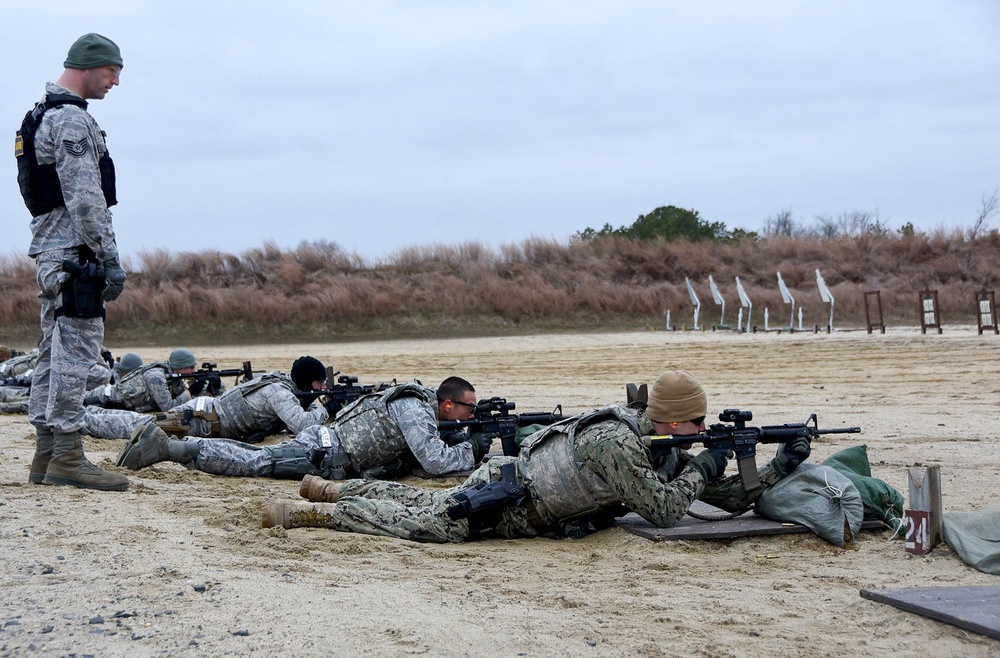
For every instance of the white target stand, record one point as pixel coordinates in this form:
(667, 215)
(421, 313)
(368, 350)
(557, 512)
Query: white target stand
(745, 303)
(824, 294)
(694, 301)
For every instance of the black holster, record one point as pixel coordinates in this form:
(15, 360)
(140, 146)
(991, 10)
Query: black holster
(483, 503)
(81, 295)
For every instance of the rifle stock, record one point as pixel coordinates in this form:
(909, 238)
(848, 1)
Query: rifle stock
(743, 440)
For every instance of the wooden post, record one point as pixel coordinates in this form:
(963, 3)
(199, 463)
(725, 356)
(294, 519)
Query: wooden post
(876, 295)
(924, 519)
(986, 311)
(930, 316)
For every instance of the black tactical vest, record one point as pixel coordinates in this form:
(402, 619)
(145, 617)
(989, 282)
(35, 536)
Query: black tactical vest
(40, 183)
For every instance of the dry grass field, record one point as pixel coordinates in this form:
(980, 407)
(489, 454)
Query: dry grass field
(319, 293)
(179, 566)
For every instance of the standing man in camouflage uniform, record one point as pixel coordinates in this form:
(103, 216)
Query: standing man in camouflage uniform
(569, 479)
(150, 387)
(368, 434)
(67, 180)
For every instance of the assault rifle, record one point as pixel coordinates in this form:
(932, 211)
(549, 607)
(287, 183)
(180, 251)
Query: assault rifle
(743, 440)
(493, 417)
(213, 377)
(345, 391)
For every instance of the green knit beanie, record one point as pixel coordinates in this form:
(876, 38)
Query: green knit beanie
(91, 51)
(181, 358)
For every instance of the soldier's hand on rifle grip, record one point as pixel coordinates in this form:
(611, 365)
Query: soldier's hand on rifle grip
(481, 444)
(197, 386)
(332, 406)
(791, 454)
(214, 385)
(711, 462)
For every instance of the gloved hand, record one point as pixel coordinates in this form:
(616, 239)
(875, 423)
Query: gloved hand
(791, 454)
(481, 444)
(214, 385)
(332, 406)
(711, 462)
(114, 277)
(197, 386)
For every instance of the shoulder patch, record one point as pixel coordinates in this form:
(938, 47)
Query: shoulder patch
(77, 149)
(18, 145)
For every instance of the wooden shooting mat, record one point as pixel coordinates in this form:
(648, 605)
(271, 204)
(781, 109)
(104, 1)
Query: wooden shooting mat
(746, 525)
(975, 609)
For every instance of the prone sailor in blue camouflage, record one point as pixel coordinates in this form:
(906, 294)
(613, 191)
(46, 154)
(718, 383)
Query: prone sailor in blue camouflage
(67, 180)
(368, 434)
(569, 479)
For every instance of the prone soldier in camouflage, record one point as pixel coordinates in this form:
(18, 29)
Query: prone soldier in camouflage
(570, 478)
(148, 388)
(248, 412)
(376, 430)
(123, 366)
(67, 181)
(15, 380)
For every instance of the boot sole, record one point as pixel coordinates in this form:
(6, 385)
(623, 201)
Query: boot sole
(61, 481)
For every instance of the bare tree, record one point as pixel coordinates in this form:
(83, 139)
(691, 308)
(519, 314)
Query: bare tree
(988, 208)
(781, 224)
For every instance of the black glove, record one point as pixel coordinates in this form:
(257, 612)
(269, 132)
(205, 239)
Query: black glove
(791, 454)
(114, 277)
(332, 406)
(108, 358)
(481, 444)
(214, 383)
(453, 437)
(711, 462)
(197, 386)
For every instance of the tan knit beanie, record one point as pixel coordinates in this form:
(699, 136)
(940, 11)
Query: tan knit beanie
(676, 396)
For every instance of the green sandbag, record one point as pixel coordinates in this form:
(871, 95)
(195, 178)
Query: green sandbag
(521, 433)
(882, 501)
(975, 538)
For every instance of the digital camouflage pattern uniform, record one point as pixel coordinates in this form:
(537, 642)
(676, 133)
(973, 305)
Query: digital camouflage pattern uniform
(580, 475)
(373, 430)
(146, 388)
(14, 399)
(262, 406)
(18, 365)
(69, 137)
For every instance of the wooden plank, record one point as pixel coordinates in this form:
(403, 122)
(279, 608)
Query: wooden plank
(975, 609)
(746, 525)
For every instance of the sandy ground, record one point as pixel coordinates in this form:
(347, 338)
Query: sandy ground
(178, 564)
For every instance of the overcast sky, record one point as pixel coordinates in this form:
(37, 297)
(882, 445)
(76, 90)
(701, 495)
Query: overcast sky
(382, 125)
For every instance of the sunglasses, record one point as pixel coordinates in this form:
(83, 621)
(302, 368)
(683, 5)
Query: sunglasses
(470, 405)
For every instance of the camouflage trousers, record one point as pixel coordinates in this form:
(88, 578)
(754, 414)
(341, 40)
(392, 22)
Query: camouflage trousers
(68, 350)
(14, 393)
(14, 407)
(112, 423)
(392, 509)
(119, 423)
